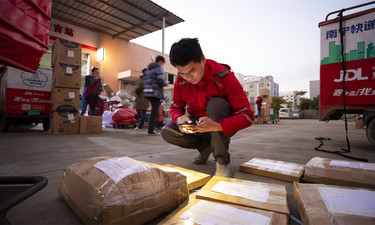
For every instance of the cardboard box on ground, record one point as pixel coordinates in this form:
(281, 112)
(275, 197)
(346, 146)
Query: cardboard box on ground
(65, 111)
(121, 190)
(195, 211)
(273, 168)
(269, 197)
(340, 172)
(90, 125)
(320, 204)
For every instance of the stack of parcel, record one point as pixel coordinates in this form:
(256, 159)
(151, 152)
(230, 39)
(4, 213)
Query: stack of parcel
(65, 119)
(334, 191)
(66, 65)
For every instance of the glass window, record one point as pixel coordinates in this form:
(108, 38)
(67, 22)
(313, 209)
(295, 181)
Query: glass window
(84, 68)
(45, 61)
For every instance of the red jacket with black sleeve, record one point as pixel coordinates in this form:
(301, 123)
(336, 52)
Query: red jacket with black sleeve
(217, 81)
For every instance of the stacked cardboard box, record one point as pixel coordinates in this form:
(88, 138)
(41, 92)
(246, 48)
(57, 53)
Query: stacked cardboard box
(273, 168)
(195, 211)
(320, 204)
(66, 64)
(340, 172)
(269, 197)
(65, 111)
(90, 125)
(121, 190)
(266, 103)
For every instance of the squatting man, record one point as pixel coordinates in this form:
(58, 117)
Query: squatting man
(208, 97)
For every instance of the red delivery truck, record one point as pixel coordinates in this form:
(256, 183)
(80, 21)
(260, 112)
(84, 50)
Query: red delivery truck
(348, 86)
(25, 98)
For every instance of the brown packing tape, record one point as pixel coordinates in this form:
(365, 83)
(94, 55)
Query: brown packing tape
(276, 201)
(174, 217)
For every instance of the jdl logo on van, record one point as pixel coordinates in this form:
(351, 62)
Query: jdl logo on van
(351, 75)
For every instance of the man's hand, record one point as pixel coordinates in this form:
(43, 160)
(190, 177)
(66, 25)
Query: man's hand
(206, 124)
(184, 119)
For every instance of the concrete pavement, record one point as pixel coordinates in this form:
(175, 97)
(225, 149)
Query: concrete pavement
(31, 151)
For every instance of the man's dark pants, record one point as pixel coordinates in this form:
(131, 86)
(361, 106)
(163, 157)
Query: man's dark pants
(217, 109)
(155, 104)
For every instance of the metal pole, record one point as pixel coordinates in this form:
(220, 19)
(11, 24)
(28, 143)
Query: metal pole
(162, 45)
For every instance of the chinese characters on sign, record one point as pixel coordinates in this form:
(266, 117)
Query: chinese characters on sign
(359, 92)
(355, 28)
(60, 29)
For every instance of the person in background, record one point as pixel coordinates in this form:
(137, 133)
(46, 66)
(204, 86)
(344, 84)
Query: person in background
(159, 122)
(90, 95)
(153, 90)
(259, 105)
(141, 103)
(216, 101)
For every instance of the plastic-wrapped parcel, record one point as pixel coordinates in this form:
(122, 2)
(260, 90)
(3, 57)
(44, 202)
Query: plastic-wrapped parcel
(121, 190)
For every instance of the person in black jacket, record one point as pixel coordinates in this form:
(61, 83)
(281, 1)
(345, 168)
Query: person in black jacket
(153, 89)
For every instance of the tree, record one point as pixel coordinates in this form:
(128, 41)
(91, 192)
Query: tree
(301, 93)
(305, 104)
(309, 104)
(276, 103)
(315, 103)
(289, 105)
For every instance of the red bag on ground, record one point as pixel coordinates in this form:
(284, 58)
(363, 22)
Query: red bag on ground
(124, 116)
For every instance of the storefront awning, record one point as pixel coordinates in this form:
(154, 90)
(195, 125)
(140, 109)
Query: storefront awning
(125, 19)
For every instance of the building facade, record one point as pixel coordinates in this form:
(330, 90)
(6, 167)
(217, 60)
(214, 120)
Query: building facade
(314, 88)
(120, 63)
(291, 96)
(252, 85)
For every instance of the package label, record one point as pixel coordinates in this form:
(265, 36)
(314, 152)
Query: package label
(357, 165)
(349, 201)
(120, 167)
(259, 194)
(205, 212)
(274, 166)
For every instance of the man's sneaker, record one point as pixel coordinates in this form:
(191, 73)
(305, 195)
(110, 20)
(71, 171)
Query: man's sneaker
(201, 159)
(154, 133)
(222, 170)
(203, 156)
(137, 128)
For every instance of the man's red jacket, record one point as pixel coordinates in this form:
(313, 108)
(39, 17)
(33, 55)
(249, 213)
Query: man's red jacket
(217, 81)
